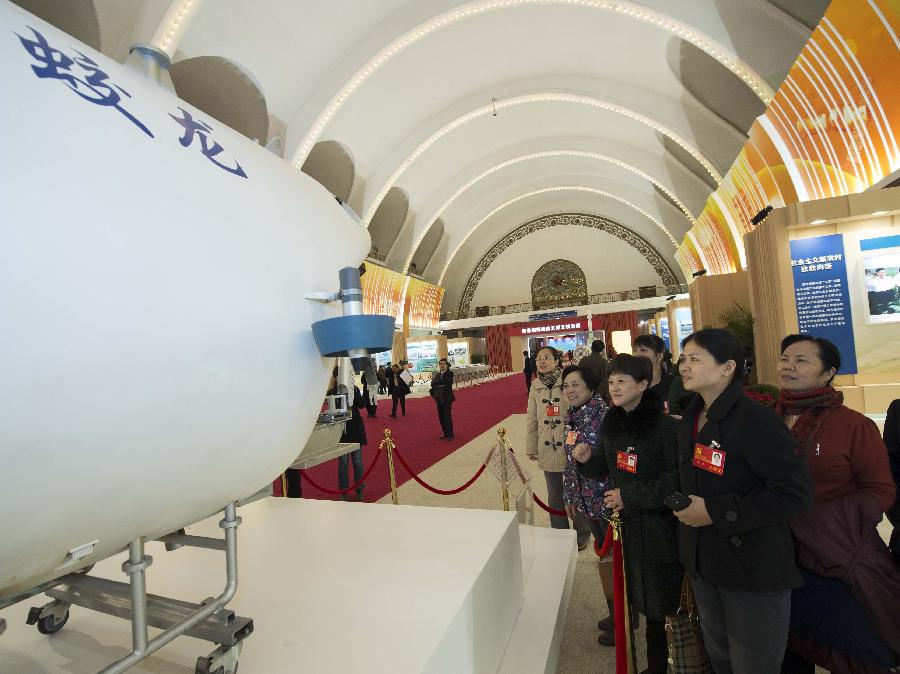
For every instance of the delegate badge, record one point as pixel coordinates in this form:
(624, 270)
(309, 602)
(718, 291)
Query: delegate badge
(552, 410)
(710, 458)
(627, 461)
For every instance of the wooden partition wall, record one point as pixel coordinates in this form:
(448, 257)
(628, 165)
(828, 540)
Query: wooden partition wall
(712, 295)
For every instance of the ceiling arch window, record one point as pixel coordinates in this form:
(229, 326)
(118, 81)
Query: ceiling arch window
(558, 283)
(387, 223)
(331, 165)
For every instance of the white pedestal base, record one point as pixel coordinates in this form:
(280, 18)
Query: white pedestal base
(343, 587)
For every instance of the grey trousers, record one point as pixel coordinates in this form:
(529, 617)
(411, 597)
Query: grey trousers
(744, 632)
(555, 500)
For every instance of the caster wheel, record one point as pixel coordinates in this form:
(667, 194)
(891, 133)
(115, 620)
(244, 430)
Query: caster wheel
(50, 625)
(203, 665)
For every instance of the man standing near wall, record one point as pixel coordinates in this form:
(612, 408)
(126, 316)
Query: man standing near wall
(529, 370)
(598, 364)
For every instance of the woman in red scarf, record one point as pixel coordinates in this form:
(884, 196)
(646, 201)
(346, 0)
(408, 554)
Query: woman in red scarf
(845, 617)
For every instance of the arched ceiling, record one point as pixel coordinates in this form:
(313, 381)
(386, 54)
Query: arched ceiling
(480, 112)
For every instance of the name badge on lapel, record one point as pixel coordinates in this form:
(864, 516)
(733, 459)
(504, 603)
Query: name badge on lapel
(710, 458)
(552, 410)
(627, 460)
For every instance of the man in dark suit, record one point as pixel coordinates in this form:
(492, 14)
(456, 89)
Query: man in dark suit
(529, 370)
(442, 392)
(598, 364)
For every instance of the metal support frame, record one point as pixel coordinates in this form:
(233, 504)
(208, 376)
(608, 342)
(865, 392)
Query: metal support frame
(209, 620)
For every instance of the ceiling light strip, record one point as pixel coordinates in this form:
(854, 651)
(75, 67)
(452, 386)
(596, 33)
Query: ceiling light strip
(630, 10)
(543, 155)
(174, 24)
(541, 97)
(561, 188)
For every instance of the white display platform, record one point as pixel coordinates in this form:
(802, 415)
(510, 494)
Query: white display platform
(342, 587)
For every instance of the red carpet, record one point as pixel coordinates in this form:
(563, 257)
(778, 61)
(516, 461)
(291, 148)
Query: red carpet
(476, 409)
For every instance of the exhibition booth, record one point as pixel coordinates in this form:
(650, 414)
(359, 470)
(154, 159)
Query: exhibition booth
(828, 267)
(831, 268)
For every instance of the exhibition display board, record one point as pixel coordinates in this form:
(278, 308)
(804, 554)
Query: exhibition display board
(411, 301)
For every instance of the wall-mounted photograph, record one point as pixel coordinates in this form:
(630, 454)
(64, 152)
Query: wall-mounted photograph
(881, 264)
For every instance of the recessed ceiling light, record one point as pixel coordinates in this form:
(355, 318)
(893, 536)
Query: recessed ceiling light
(817, 222)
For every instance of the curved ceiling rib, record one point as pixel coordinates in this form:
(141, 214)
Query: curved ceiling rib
(561, 188)
(548, 96)
(632, 10)
(540, 97)
(543, 155)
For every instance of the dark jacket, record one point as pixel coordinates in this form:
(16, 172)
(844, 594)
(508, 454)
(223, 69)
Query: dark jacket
(442, 387)
(892, 440)
(529, 368)
(400, 388)
(355, 428)
(858, 556)
(649, 528)
(662, 388)
(598, 364)
(764, 485)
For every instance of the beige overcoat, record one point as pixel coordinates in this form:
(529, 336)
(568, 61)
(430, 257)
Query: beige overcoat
(546, 433)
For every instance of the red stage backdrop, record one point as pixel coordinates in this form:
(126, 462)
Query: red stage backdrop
(620, 320)
(498, 353)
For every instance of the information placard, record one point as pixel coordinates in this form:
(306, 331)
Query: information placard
(823, 298)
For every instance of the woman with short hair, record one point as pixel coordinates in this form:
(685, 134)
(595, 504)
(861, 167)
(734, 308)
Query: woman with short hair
(546, 432)
(745, 482)
(638, 449)
(848, 571)
(654, 349)
(583, 494)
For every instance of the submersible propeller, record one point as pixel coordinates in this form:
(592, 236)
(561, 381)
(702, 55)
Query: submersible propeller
(354, 335)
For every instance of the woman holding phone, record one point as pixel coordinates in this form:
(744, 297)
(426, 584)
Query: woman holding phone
(745, 481)
(638, 449)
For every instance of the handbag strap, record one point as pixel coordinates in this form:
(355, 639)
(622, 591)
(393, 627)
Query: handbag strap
(687, 604)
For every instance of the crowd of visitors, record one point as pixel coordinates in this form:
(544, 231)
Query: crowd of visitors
(769, 512)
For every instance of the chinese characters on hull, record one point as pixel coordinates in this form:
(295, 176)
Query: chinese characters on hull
(194, 127)
(84, 77)
(56, 65)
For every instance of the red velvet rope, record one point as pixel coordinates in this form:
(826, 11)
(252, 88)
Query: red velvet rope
(348, 489)
(607, 543)
(435, 490)
(552, 511)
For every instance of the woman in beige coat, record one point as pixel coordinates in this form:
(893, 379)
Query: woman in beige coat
(546, 433)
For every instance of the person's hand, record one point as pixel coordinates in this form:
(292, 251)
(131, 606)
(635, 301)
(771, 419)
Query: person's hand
(570, 511)
(676, 417)
(581, 452)
(696, 514)
(613, 499)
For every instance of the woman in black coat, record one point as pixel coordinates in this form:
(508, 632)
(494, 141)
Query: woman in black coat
(639, 451)
(745, 481)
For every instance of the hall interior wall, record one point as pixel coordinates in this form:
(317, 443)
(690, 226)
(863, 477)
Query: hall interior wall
(608, 264)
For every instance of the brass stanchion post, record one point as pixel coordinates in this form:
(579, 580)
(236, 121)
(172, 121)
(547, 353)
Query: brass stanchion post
(504, 473)
(616, 523)
(388, 444)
